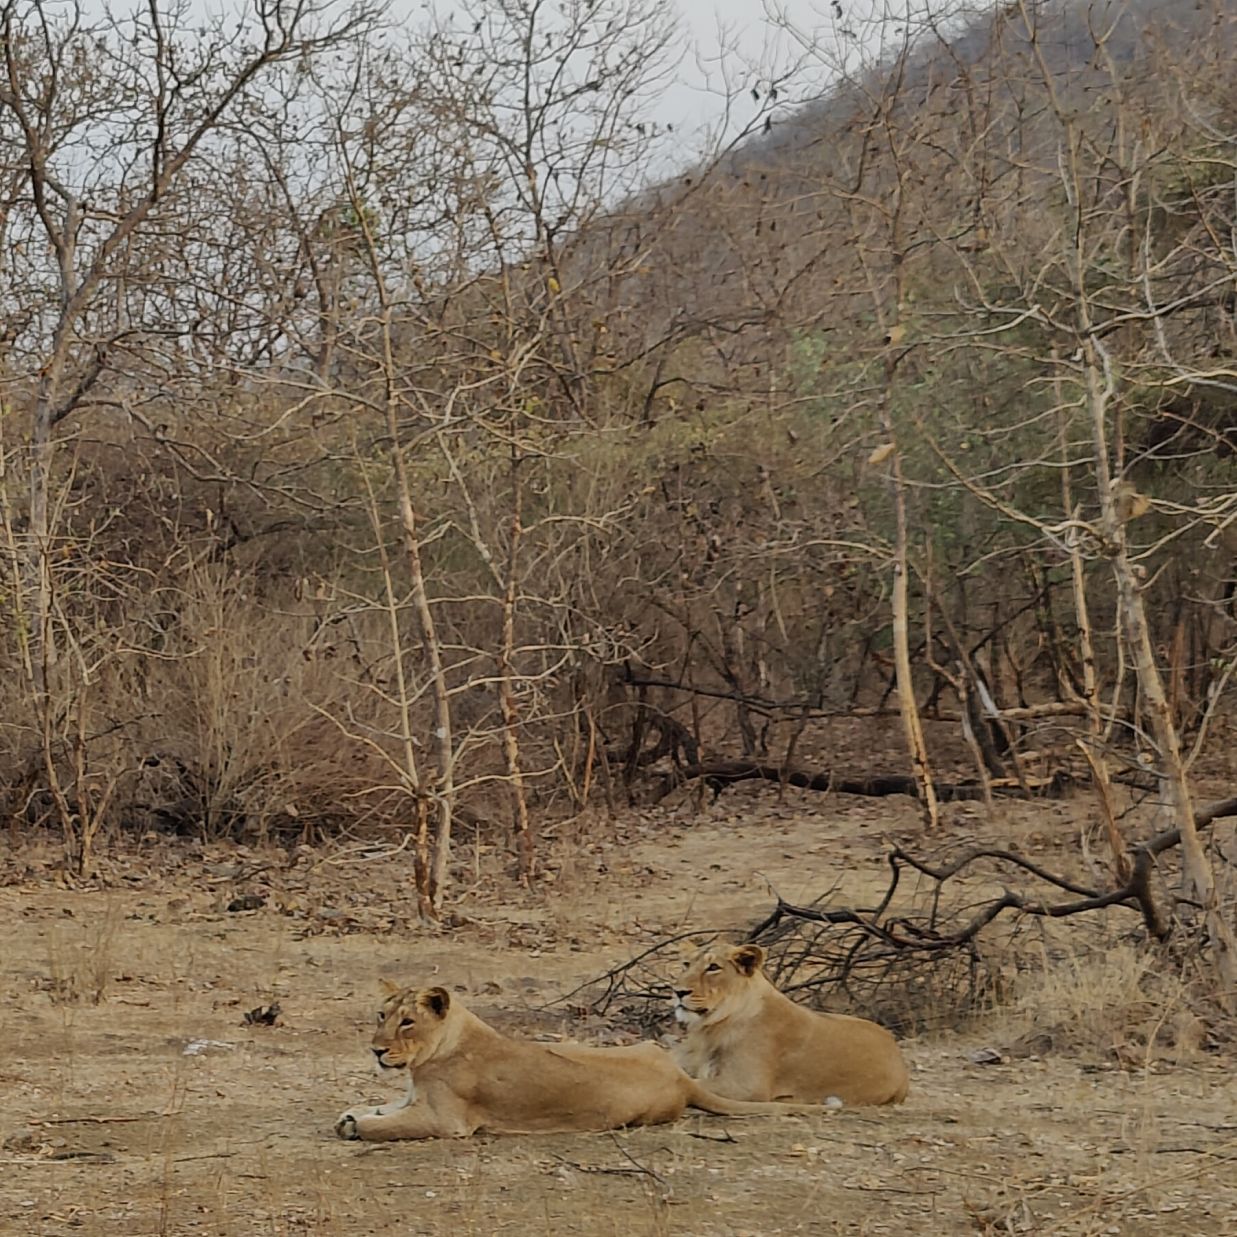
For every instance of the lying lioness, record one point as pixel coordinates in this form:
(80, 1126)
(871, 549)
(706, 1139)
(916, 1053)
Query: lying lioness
(750, 1042)
(464, 1077)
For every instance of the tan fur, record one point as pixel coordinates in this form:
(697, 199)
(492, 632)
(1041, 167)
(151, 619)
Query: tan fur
(751, 1042)
(464, 1077)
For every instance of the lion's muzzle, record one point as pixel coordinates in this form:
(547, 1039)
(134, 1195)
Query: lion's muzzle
(683, 1013)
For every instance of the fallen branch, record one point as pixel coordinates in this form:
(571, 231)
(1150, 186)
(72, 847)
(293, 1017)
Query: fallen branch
(802, 708)
(1005, 856)
(1204, 818)
(725, 772)
(636, 1169)
(146, 1116)
(868, 953)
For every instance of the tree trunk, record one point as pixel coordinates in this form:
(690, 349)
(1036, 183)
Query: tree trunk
(444, 789)
(1093, 746)
(506, 688)
(1198, 880)
(908, 706)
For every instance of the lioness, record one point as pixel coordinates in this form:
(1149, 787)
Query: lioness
(463, 1076)
(750, 1042)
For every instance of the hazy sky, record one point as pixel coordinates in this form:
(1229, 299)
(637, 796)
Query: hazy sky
(727, 26)
(726, 37)
(728, 46)
(731, 36)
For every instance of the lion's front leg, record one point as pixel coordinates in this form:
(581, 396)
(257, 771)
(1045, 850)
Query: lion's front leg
(409, 1097)
(346, 1126)
(408, 1121)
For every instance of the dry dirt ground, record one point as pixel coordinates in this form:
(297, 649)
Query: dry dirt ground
(138, 1101)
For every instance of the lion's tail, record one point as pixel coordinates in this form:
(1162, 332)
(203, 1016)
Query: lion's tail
(719, 1105)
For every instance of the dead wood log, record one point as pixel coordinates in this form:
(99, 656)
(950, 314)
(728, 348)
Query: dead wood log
(803, 708)
(724, 772)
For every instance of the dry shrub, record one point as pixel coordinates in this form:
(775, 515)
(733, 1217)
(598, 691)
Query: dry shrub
(217, 711)
(260, 718)
(1107, 998)
(831, 968)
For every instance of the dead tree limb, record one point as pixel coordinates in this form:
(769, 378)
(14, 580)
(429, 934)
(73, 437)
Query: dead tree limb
(1204, 818)
(725, 772)
(769, 708)
(1006, 856)
(900, 967)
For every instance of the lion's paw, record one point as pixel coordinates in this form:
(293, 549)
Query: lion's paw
(346, 1127)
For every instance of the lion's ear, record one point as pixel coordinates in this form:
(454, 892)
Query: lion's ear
(748, 958)
(388, 987)
(436, 1000)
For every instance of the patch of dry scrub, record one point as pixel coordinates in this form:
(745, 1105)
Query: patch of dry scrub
(1118, 1001)
(244, 717)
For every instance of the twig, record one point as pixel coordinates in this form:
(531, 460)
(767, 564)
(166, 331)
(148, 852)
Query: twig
(636, 1170)
(616, 973)
(153, 1116)
(627, 1155)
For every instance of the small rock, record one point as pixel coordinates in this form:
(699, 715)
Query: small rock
(985, 1056)
(196, 1047)
(263, 1015)
(21, 1140)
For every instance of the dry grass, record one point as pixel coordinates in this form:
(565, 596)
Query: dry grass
(1120, 1000)
(81, 956)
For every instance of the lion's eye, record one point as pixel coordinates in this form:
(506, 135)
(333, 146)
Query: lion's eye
(380, 1017)
(708, 970)
(407, 1022)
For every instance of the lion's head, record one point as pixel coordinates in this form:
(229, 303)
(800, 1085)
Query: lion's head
(715, 981)
(410, 1025)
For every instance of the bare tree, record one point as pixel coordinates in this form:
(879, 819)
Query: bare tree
(104, 120)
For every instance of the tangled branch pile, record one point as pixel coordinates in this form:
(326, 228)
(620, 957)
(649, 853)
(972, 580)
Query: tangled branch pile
(910, 962)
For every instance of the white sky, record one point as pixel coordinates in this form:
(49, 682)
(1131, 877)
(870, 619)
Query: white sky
(718, 35)
(734, 44)
(729, 46)
(729, 36)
